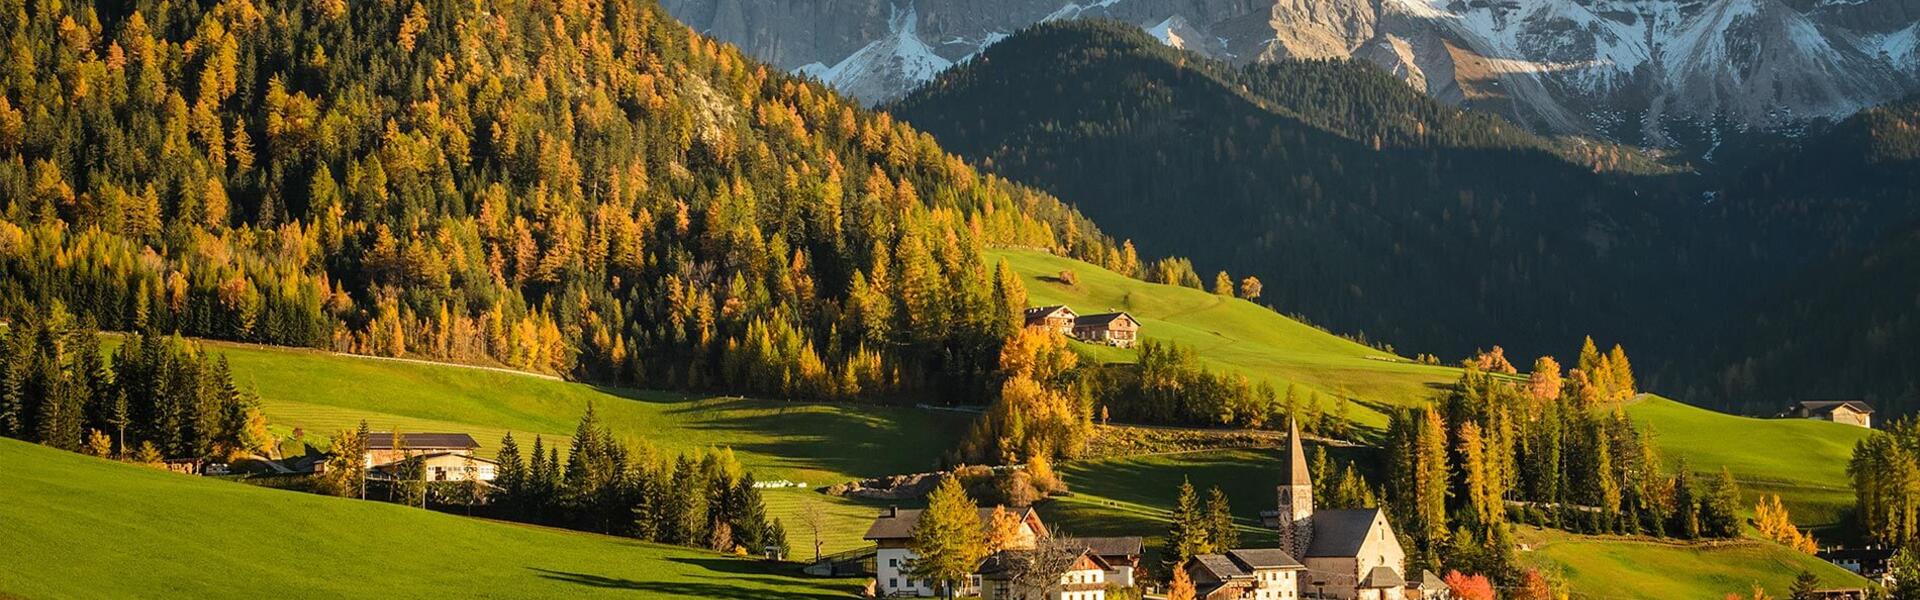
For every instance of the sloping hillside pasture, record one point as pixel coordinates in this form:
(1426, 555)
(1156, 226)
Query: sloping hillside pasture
(1235, 335)
(81, 527)
(1802, 460)
(816, 444)
(1598, 568)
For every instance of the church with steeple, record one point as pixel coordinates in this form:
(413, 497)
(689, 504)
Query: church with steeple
(1349, 554)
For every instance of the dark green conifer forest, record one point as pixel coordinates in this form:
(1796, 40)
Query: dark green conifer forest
(1371, 209)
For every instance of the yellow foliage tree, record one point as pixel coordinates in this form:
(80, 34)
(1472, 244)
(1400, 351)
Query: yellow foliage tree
(1544, 383)
(1182, 586)
(1003, 530)
(1771, 518)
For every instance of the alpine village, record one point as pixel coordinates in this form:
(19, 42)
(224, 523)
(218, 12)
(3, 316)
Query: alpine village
(743, 299)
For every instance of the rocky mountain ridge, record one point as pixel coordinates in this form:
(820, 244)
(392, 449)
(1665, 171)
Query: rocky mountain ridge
(1632, 70)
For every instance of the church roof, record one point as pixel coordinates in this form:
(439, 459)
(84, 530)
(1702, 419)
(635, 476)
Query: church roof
(1340, 533)
(1382, 577)
(1296, 457)
(1430, 582)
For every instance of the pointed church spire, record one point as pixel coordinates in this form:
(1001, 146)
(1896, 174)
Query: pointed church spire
(1296, 457)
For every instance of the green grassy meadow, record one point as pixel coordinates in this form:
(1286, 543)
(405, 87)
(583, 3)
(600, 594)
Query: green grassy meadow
(817, 444)
(1608, 568)
(1802, 460)
(322, 393)
(72, 526)
(1232, 334)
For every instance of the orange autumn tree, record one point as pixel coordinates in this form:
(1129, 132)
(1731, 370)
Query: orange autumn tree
(1493, 361)
(1003, 530)
(1469, 587)
(1544, 383)
(1181, 588)
(1533, 586)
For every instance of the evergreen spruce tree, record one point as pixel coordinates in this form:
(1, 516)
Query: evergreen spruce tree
(751, 530)
(1686, 507)
(535, 499)
(1719, 510)
(777, 537)
(512, 478)
(1187, 536)
(1221, 533)
(1804, 586)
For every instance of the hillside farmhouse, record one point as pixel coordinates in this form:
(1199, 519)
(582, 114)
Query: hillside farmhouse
(1057, 318)
(892, 531)
(1121, 554)
(447, 456)
(447, 466)
(1851, 412)
(1085, 579)
(1111, 328)
(385, 447)
(1263, 574)
(1869, 562)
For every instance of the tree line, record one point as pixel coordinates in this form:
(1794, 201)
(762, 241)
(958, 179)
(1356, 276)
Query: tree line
(1496, 450)
(157, 397)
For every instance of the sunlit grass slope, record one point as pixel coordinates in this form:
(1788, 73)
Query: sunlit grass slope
(1235, 334)
(72, 526)
(1613, 568)
(817, 444)
(324, 393)
(1802, 460)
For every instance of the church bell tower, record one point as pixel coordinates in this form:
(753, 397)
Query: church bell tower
(1296, 498)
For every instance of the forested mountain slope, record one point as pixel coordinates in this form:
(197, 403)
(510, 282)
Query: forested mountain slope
(1368, 208)
(1361, 204)
(580, 188)
(1849, 202)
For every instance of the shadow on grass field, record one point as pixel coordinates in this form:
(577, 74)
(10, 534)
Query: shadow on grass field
(82, 527)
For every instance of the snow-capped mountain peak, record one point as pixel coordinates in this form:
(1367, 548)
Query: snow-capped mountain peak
(1619, 67)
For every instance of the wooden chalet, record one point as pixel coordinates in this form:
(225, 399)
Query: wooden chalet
(1057, 318)
(1850, 412)
(1117, 329)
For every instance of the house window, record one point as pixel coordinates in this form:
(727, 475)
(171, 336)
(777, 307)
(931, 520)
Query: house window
(893, 583)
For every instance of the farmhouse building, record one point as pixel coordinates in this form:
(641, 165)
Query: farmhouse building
(447, 466)
(383, 450)
(1085, 579)
(1350, 554)
(1869, 562)
(1851, 412)
(1263, 574)
(1057, 318)
(1122, 555)
(892, 531)
(1114, 329)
